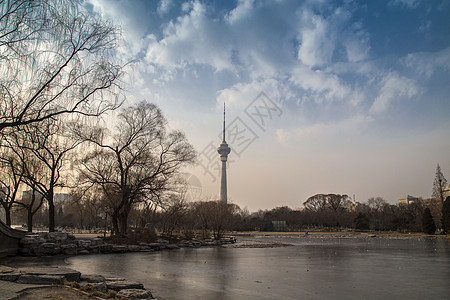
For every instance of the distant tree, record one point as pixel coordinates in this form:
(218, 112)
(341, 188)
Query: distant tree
(428, 225)
(376, 203)
(439, 185)
(446, 215)
(361, 222)
(320, 202)
(338, 202)
(316, 203)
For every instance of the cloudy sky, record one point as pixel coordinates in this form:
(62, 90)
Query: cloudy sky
(348, 97)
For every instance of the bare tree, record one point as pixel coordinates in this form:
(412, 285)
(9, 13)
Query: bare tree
(55, 59)
(137, 163)
(31, 202)
(215, 216)
(376, 204)
(11, 176)
(316, 203)
(43, 150)
(320, 202)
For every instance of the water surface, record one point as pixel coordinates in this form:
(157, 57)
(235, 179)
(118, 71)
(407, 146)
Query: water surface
(314, 268)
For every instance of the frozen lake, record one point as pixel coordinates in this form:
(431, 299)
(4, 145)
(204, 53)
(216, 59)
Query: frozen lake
(314, 268)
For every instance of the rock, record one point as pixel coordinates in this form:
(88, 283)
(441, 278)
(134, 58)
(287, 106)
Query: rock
(6, 269)
(40, 279)
(156, 246)
(172, 246)
(55, 236)
(28, 241)
(134, 294)
(9, 274)
(51, 248)
(70, 249)
(13, 276)
(25, 251)
(134, 248)
(162, 241)
(114, 279)
(123, 285)
(83, 243)
(96, 286)
(105, 248)
(96, 241)
(67, 273)
(92, 278)
(119, 248)
(84, 251)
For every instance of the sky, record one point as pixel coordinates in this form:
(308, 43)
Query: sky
(345, 97)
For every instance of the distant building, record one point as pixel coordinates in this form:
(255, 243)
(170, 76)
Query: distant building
(407, 200)
(27, 196)
(446, 192)
(62, 198)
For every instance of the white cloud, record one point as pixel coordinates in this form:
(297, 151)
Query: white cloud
(320, 37)
(191, 39)
(129, 16)
(426, 63)
(317, 44)
(243, 8)
(164, 6)
(393, 87)
(323, 85)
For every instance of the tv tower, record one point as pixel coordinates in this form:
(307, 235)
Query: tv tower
(223, 150)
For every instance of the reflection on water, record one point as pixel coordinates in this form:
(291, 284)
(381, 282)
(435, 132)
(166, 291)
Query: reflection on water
(314, 268)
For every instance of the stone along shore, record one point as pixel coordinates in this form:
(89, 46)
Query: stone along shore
(88, 285)
(54, 243)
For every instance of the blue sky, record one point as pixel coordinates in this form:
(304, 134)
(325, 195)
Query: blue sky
(354, 95)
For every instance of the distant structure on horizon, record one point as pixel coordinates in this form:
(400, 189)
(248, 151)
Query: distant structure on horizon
(407, 200)
(223, 150)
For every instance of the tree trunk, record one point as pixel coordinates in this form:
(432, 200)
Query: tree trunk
(8, 216)
(51, 211)
(123, 222)
(115, 223)
(29, 219)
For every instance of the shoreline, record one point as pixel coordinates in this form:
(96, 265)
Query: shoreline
(344, 234)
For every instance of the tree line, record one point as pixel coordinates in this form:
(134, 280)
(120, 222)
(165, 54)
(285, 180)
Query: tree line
(59, 82)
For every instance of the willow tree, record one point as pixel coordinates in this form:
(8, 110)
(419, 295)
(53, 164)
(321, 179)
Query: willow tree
(137, 163)
(55, 59)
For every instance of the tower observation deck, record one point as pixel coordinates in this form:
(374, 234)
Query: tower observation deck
(223, 150)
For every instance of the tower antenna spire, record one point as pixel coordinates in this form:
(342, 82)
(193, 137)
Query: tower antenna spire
(224, 121)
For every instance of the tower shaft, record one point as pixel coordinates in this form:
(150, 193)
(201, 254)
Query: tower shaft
(223, 183)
